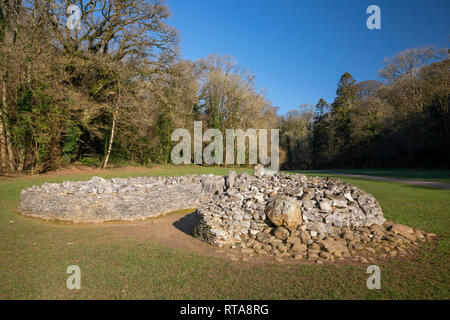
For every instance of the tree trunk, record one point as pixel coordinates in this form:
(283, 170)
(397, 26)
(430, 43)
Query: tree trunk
(21, 160)
(5, 132)
(3, 154)
(3, 159)
(10, 12)
(111, 139)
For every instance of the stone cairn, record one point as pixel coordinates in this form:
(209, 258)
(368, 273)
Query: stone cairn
(292, 216)
(267, 214)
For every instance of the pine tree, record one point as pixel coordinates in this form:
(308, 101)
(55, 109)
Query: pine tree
(342, 116)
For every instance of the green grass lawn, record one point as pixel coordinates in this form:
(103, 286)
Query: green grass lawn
(34, 256)
(414, 174)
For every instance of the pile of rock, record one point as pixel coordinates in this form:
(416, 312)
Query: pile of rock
(100, 200)
(303, 218)
(321, 206)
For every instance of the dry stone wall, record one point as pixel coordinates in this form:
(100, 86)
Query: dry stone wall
(100, 200)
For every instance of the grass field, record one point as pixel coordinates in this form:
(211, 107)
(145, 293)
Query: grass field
(34, 256)
(414, 174)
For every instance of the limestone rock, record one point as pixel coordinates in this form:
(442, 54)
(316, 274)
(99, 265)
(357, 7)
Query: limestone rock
(230, 179)
(258, 171)
(284, 212)
(210, 185)
(281, 233)
(299, 247)
(332, 246)
(404, 231)
(325, 206)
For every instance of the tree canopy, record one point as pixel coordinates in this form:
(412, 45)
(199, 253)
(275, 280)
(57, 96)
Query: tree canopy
(114, 90)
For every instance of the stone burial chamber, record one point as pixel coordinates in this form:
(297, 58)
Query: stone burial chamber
(289, 202)
(267, 214)
(101, 200)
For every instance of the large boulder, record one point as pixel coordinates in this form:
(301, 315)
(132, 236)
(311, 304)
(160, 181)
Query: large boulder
(284, 212)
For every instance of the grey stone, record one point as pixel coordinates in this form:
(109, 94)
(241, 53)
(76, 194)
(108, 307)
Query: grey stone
(230, 179)
(325, 206)
(340, 203)
(211, 185)
(254, 225)
(258, 171)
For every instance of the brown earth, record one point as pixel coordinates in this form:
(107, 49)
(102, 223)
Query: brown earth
(174, 230)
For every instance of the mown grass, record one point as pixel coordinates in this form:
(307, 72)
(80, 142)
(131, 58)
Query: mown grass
(439, 175)
(34, 256)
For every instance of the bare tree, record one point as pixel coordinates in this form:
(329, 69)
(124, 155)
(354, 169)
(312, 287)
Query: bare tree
(408, 62)
(122, 28)
(9, 14)
(124, 41)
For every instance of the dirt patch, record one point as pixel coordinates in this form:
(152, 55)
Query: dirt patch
(174, 231)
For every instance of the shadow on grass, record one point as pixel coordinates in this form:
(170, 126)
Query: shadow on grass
(186, 224)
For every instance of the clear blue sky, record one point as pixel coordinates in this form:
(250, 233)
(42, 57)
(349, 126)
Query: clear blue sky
(298, 49)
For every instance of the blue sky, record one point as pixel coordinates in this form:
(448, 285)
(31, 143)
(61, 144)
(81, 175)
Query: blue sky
(298, 49)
